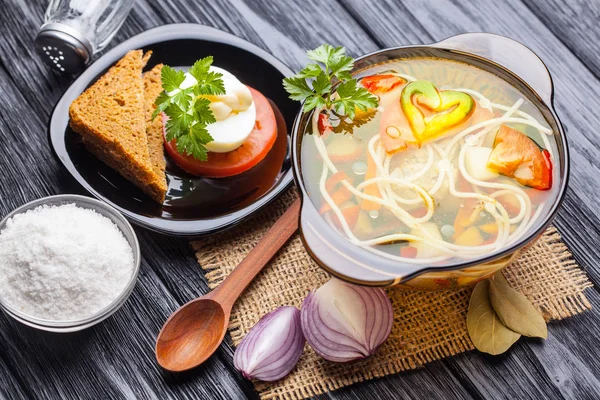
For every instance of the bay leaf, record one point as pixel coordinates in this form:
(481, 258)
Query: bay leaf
(487, 332)
(515, 310)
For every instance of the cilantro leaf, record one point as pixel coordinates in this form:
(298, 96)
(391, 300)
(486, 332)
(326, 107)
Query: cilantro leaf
(200, 68)
(188, 110)
(180, 121)
(193, 143)
(212, 84)
(313, 85)
(171, 78)
(189, 146)
(182, 98)
(321, 53)
(297, 88)
(322, 84)
(310, 71)
(313, 102)
(200, 133)
(352, 96)
(326, 53)
(202, 111)
(341, 67)
(363, 99)
(162, 101)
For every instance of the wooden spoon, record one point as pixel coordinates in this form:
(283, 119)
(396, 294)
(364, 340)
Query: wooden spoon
(196, 329)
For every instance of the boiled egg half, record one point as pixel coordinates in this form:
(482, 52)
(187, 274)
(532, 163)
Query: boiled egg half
(234, 111)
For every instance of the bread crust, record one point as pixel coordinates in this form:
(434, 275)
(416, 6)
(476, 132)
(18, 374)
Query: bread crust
(111, 118)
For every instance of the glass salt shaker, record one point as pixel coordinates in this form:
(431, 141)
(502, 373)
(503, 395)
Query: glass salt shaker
(74, 30)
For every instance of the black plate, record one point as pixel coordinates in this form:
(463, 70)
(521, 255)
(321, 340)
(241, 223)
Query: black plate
(194, 206)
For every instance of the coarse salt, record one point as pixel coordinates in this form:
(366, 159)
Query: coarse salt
(62, 263)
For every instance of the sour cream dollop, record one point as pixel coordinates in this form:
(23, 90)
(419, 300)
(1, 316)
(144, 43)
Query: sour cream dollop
(234, 111)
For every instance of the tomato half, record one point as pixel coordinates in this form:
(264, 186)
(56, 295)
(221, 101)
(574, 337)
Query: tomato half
(250, 153)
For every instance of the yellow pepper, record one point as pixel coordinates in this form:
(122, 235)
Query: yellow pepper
(430, 98)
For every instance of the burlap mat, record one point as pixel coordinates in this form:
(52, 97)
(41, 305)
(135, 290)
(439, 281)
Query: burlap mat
(427, 325)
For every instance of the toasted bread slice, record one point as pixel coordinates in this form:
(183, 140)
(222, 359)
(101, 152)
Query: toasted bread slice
(110, 117)
(154, 128)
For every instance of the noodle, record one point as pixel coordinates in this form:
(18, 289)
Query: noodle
(441, 149)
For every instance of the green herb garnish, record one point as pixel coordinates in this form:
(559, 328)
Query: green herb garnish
(313, 84)
(188, 109)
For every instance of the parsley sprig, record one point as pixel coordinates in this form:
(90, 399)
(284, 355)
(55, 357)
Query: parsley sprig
(314, 83)
(188, 109)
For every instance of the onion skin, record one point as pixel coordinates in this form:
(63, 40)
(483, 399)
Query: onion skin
(344, 322)
(272, 347)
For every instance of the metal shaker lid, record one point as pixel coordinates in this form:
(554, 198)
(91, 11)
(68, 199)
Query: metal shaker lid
(63, 48)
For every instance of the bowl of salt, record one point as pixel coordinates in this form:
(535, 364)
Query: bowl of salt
(67, 262)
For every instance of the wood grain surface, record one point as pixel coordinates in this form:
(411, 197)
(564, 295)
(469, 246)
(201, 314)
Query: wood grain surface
(115, 359)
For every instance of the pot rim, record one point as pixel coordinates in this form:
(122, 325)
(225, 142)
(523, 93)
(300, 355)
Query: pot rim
(535, 230)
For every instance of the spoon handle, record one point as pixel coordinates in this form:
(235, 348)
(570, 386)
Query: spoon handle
(237, 281)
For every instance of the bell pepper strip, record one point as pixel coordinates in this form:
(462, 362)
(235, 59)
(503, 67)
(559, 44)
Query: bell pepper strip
(517, 156)
(381, 83)
(408, 252)
(324, 125)
(372, 189)
(425, 94)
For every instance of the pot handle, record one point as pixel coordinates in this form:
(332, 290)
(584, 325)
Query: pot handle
(508, 53)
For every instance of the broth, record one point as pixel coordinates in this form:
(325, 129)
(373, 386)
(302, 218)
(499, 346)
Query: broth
(410, 180)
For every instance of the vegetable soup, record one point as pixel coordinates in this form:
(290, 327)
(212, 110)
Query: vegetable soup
(454, 163)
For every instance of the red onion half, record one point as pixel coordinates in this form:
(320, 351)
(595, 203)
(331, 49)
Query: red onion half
(272, 347)
(344, 322)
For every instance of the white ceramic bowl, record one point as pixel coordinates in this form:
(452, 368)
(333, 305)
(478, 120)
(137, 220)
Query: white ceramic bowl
(124, 226)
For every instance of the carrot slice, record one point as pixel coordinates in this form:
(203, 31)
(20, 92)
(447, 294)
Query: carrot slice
(339, 196)
(339, 192)
(335, 179)
(350, 212)
(372, 189)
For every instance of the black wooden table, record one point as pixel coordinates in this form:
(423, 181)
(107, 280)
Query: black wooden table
(116, 358)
